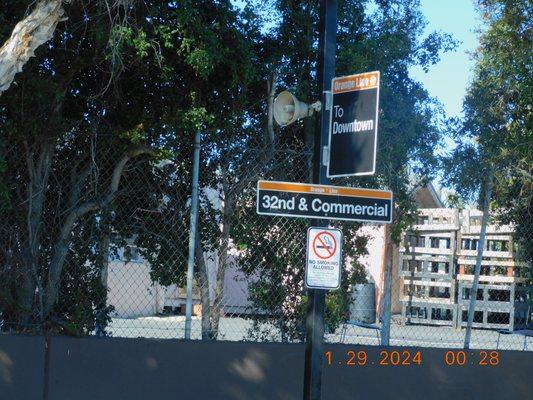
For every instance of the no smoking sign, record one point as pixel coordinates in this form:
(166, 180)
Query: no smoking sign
(324, 258)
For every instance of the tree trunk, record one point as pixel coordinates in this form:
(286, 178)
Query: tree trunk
(38, 173)
(27, 303)
(227, 213)
(63, 240)
(272, 86)
(30, 33)
(204, 291)
(60, 254)
(103, 262)
(387, 288)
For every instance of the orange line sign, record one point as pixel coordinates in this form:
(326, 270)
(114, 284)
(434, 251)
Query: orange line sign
(303, 200)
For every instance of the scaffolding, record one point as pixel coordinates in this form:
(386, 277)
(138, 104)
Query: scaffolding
(427, 259)
(437, 261)
(502, 295)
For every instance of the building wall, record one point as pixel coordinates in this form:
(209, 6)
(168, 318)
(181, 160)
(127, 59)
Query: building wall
(133, 294)
(131, 291)
(235, 291)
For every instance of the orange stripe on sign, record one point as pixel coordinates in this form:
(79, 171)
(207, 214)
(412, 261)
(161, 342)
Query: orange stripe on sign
(369, 80)
(324, 189)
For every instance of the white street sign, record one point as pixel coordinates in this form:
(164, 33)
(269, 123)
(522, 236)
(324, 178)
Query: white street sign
(324, 258)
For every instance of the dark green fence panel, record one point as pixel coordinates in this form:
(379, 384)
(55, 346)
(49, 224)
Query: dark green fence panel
(21, 367)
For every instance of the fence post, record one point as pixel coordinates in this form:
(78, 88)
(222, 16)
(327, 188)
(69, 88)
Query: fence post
(386, 298)
(192, 234)
(480, 248)
(386, 306)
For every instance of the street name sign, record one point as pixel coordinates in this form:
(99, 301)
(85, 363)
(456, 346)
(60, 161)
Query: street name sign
(324, 258)
(288, 199)
(353, 125)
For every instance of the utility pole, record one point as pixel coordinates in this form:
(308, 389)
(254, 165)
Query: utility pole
(315, 315)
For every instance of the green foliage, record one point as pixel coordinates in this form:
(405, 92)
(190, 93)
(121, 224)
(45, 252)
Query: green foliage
(496, 130)
(155, 75)
(149, 76)
(390, 39)
(82, 283)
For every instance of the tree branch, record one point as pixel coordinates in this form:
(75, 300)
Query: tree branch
(30, 33)
(272, 87)
(62, 243)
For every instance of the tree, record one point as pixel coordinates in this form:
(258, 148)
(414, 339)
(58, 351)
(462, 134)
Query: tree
(387, 39)
(111, 91)
(51, 167)
(116, 91)
(496, 130)
(492, 160)
(37, 28)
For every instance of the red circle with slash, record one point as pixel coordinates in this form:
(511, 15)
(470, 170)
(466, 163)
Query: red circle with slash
(322, 247)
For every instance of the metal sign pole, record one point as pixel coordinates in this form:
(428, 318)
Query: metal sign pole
(315, 315)
(192, 234)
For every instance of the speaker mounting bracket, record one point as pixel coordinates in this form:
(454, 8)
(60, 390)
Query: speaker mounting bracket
(329, 99)
(325, 156)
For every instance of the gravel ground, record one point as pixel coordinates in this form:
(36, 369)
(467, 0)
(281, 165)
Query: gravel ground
(237, 329)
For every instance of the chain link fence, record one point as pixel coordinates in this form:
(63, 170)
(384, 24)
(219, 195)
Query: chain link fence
(94, 241)
(430, 284)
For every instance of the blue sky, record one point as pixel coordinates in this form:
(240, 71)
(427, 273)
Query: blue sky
(447, 80)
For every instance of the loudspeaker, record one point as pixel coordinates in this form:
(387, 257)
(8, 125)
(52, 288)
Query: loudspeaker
(288, 109)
